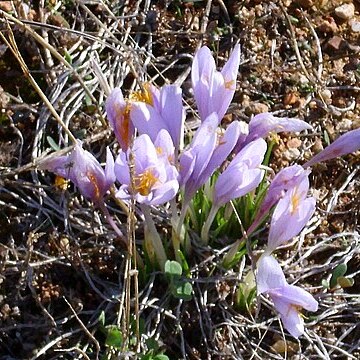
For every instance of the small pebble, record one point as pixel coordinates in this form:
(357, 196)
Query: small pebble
(355, 25)
(345, 11)
(291, 154)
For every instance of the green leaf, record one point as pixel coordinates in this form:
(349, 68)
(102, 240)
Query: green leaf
(160, 357)
(183, 290)
(114, 337)
(102, 318)
(340, 270)
(173, 269)
(68, 57)
(325, 284)
(52, 143)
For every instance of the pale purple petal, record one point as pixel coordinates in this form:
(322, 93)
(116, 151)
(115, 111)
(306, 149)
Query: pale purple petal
(269, 274)
(109, 169)
(290, 317)
(291, 214)
(296, 296)
(172, 112)
(146, 119)
(345, 144)
(242, 175)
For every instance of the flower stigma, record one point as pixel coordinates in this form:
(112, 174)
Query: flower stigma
(94, 182)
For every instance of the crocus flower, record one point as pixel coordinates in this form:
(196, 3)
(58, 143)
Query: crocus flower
(291, 214)
(288, 299)
(118, 113)
(242, 175)
(155, 179)
(153, 109)
(214, 90)
(343, 145)
(84, 171)
(207, 151)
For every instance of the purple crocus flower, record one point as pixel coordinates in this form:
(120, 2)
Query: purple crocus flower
(261, 125)
(84, 171)
(345, 144)
(153, 109)
(291, 214)
(155, 179)
(214, 90)
(288, 299)
(118, 113)
(242, 175)
(207, 151)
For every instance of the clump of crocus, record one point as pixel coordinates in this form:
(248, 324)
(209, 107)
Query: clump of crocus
(82, 168)
(154, 179)
(214, 90)
(288, 300)
(242, 175)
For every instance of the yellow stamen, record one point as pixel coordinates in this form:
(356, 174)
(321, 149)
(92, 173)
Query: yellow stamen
(61, 183)
(145, 181)
(143, 95)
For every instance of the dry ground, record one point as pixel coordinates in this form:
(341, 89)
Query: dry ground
(61, 266)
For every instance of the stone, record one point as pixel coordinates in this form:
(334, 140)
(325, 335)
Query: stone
(355, 25)
(345, 11)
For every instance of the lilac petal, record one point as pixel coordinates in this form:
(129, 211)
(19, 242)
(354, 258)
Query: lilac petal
(187, 164)
(241, 176)
(252, 154)
(172, 112)
(146, 119)
(165, 193)
(121, 168)
(345, 144)
(263, 124)
(109, 169)
(290, 317)
(269, 274)
(165, 147)
(290, 216)
(57, 164)
(231, 68)
(296, 296)
(284, 180)
(203, 65)
(226, 144)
